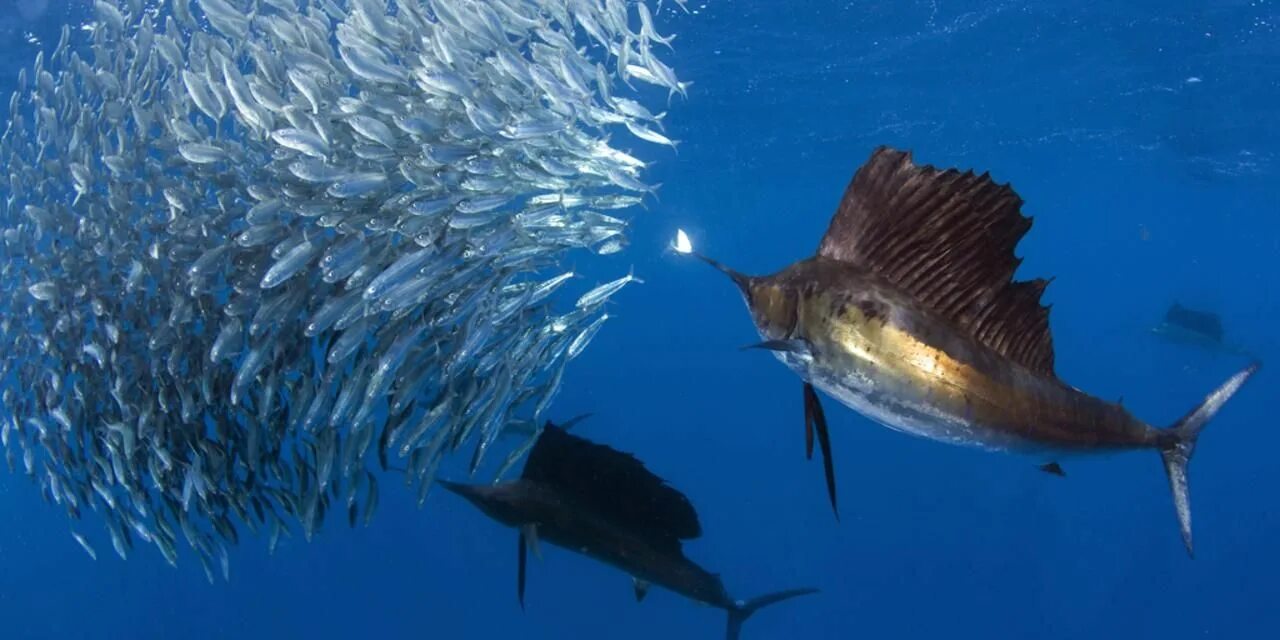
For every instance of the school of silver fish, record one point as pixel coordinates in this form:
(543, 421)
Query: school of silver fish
(249, 246)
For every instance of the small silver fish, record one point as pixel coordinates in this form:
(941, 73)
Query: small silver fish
(603, 292)
(257, 206)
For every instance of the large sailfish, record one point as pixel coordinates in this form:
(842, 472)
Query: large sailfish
(909, 314)
(603, 503)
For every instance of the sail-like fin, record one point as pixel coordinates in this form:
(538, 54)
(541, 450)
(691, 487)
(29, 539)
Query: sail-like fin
(522, 562)
(613, 485)
(813, 409)
(947, 239)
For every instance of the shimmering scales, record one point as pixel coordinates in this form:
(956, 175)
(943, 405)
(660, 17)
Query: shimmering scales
(249, 245)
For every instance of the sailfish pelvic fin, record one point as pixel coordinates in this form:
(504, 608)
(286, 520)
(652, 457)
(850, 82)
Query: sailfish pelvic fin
(815, 421)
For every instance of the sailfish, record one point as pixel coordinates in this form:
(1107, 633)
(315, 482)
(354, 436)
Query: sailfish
(1198, 328)
(603, 503)
(910, 315)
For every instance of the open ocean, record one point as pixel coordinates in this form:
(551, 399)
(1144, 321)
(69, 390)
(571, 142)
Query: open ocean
(1144, 137)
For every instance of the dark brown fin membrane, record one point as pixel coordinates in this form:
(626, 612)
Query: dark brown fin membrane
(947, 239)
(613, 485)
(1053, 468)
(813, 408)
(522, 561)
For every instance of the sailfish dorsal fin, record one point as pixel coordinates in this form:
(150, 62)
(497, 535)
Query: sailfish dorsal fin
(947, 239)
(613, 484)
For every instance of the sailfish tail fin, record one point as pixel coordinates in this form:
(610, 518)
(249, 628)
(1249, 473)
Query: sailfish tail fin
(1177, 451)
(743, 610)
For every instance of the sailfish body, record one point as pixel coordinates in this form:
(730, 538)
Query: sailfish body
(602, 503)
(883, 354)
(909, 314)
(525, 504)
(1192, 327)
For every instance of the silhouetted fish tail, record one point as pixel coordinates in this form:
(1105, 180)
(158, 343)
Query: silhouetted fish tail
(1177, 447)
(741, 610)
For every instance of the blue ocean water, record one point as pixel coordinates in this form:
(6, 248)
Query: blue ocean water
(1143, 137)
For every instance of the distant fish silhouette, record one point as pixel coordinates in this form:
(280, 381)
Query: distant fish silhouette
(1203, 329)
(1053, 468)
(909, 314)
(605, 504)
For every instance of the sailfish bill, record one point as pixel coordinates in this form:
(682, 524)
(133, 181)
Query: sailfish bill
(602, 503)
(909, 314)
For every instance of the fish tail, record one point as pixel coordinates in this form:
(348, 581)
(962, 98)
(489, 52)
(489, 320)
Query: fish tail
(1176, 448)
(741, 610)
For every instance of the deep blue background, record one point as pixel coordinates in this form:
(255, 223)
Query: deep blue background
(1146, 188)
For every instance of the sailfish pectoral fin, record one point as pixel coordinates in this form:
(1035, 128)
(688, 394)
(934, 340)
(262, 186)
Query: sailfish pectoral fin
(787, 346)
(813, 409)
(521, 564)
